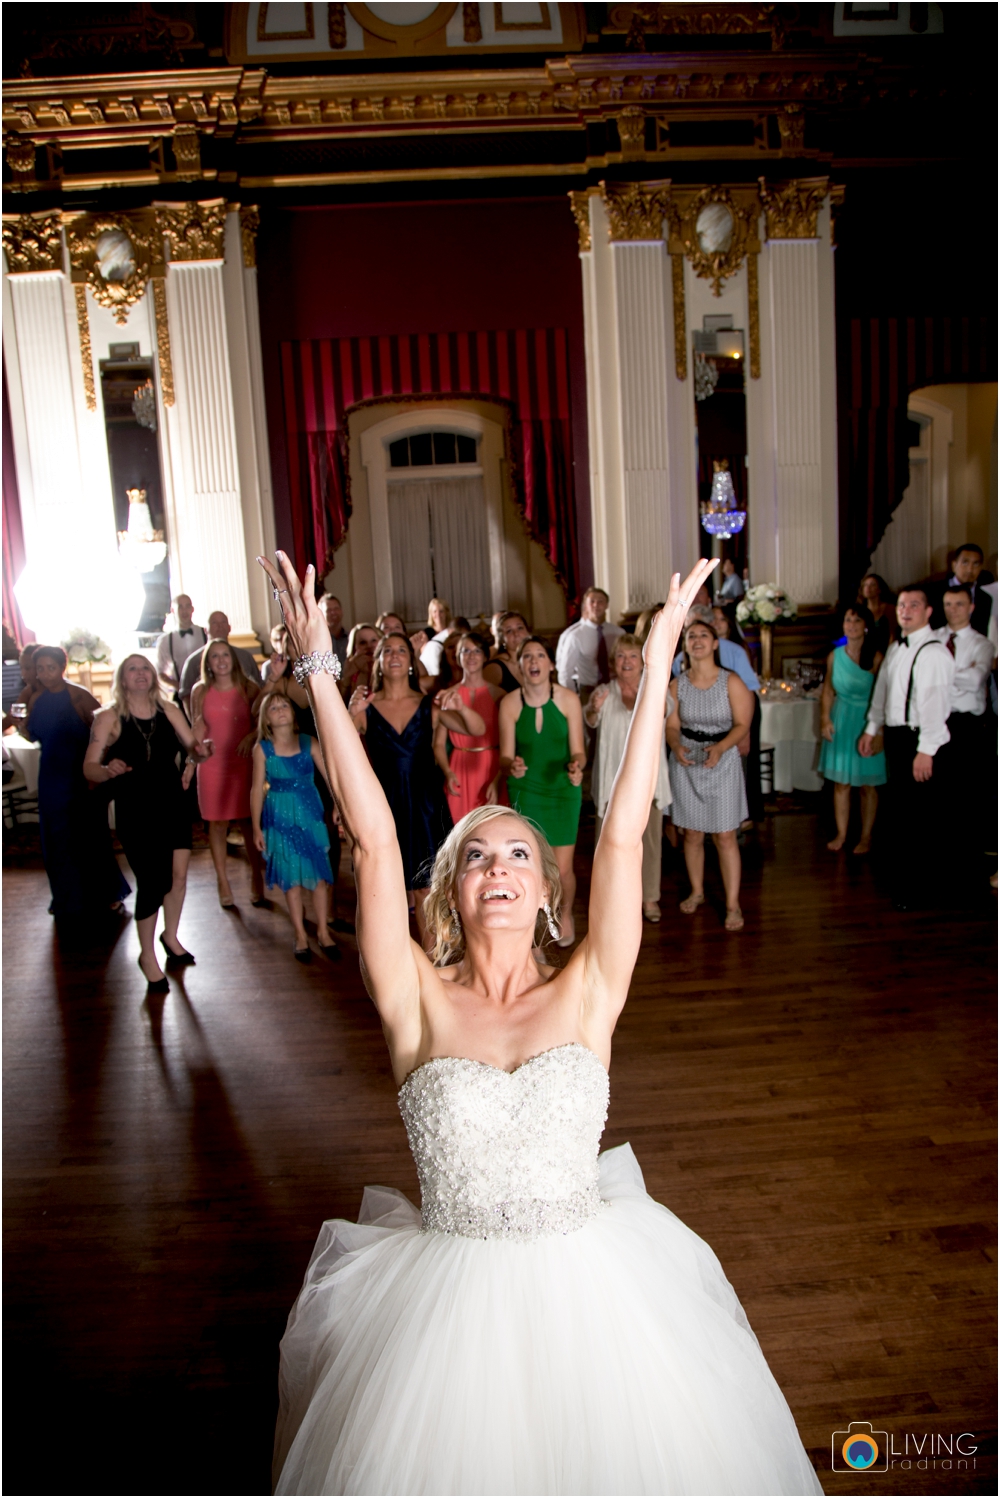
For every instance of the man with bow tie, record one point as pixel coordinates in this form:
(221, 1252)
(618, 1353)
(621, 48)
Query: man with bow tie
(911, 702)
(968, 760)
(175, 646)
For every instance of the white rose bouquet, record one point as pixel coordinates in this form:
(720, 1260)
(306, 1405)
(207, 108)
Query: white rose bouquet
(765, 603)
(82, 646)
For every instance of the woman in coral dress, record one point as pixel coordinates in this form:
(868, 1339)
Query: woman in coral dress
(221, 710)
(472, 774)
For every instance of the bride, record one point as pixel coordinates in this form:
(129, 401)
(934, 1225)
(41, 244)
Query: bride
(542, 1326)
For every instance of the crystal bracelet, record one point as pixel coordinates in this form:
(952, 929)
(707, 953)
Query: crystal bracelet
(317, 660)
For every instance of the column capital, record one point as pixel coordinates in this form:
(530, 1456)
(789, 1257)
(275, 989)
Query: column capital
(791, 209)
(249, 225)
(579, 203)
(33, 242)
(194, 231)
(636, 210)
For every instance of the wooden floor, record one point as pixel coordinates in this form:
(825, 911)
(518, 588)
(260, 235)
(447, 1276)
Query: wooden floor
(815, 1097)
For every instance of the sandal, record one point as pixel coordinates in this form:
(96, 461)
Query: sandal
(690, 905)
(734, 920)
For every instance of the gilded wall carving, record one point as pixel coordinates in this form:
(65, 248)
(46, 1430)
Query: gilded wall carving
(579, 202)
(194, 231)
(635, 209)
(86, 351)
(249, 224)
(33, 241)
(112, 254)
(791, 209)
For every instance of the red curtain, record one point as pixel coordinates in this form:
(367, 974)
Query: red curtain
(526, 370)
(13, 536)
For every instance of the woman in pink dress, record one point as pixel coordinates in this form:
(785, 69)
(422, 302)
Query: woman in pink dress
(221, 708)
(472, 774)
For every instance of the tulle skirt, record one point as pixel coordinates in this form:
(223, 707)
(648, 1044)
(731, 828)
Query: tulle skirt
(615, 1359)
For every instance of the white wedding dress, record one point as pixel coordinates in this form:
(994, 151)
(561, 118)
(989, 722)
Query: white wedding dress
(545, 1327)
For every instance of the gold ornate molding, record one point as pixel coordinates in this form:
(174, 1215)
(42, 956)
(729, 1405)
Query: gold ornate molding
(753, 305)
(32, 241)
(632, 130)
(680, 317)
(249, 225)
(187, 153)
(86, 351)
(194, 231)
(636, 210)
(701, 20)
(791, 209)
(159, 286)
(579, 202)
(102, 246)
(714, 262)
(20, 155)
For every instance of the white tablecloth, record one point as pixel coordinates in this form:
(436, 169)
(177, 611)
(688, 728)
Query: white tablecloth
(793, 728)
(26, 756)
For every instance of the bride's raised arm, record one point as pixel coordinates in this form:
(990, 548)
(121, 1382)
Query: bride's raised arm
(612, 943)
(383, 918)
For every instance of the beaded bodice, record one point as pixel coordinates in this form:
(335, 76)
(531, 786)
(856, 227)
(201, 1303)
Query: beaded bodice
(507, 1154)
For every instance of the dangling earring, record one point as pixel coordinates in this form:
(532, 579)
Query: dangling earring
(550, 921)
(456, 924)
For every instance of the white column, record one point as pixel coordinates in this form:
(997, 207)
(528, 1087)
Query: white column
(798, 419)
(209, 554)
(640, 418)
(247, 368)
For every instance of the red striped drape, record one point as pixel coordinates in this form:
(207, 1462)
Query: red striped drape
(525, 369)
(13, 536)
(886, 359)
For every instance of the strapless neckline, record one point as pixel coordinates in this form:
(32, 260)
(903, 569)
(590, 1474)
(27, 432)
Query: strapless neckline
(566, 1045)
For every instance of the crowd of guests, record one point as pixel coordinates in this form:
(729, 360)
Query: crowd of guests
(454, 718)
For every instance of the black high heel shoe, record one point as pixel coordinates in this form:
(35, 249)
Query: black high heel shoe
(303, 955)
(330, 951)
(175, 959)
(160, 985)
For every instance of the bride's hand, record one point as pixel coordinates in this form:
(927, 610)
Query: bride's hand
(307, 628)
(665, 631)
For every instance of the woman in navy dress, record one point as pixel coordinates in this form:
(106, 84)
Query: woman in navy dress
(76, 844)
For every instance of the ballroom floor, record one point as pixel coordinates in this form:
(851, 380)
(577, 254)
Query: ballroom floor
(815, 1097)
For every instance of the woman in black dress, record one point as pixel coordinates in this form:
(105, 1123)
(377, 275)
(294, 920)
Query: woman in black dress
(503, 670)
(398, 722)
(149, 736)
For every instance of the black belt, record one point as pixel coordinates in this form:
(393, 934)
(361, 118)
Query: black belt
(703, 738)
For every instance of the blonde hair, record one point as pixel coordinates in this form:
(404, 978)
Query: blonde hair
(118, 695)
(446, 929)
(442, 604)
(626, 642)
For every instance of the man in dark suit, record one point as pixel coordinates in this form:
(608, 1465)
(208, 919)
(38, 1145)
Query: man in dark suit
(966, 569)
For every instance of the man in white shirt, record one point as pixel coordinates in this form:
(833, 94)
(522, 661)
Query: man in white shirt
(177, 644)
(968, 760)
(584, 649)
(911, 702)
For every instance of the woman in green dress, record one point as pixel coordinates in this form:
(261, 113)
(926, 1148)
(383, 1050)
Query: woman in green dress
(542, 754)
(847, 691)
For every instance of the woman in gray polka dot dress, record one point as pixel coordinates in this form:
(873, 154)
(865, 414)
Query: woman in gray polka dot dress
(715, 711)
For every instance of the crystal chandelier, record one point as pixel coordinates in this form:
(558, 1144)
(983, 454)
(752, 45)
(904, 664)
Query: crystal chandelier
(706, 377)
(144, 406)
(720, 517)
(140, 545)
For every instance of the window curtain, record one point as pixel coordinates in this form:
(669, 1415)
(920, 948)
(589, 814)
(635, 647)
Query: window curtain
(886, 359)
(526, 370)
(440, 545)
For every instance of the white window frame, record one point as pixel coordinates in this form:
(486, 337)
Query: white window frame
(375, 459)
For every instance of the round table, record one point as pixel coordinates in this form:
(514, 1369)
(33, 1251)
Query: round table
(26, 756)
(792, 726)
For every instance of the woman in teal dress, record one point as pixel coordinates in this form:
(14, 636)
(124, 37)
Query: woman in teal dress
(542, 752)
(289, 828)
(847, 691)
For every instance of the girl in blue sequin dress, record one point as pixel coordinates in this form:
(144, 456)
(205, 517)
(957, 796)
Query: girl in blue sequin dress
(288, 824)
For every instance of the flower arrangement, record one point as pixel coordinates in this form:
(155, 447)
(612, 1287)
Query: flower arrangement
(765, 603)
(82, 648)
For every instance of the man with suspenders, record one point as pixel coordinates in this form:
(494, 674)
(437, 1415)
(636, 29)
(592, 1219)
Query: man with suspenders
(177, 644)
(911, 701)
